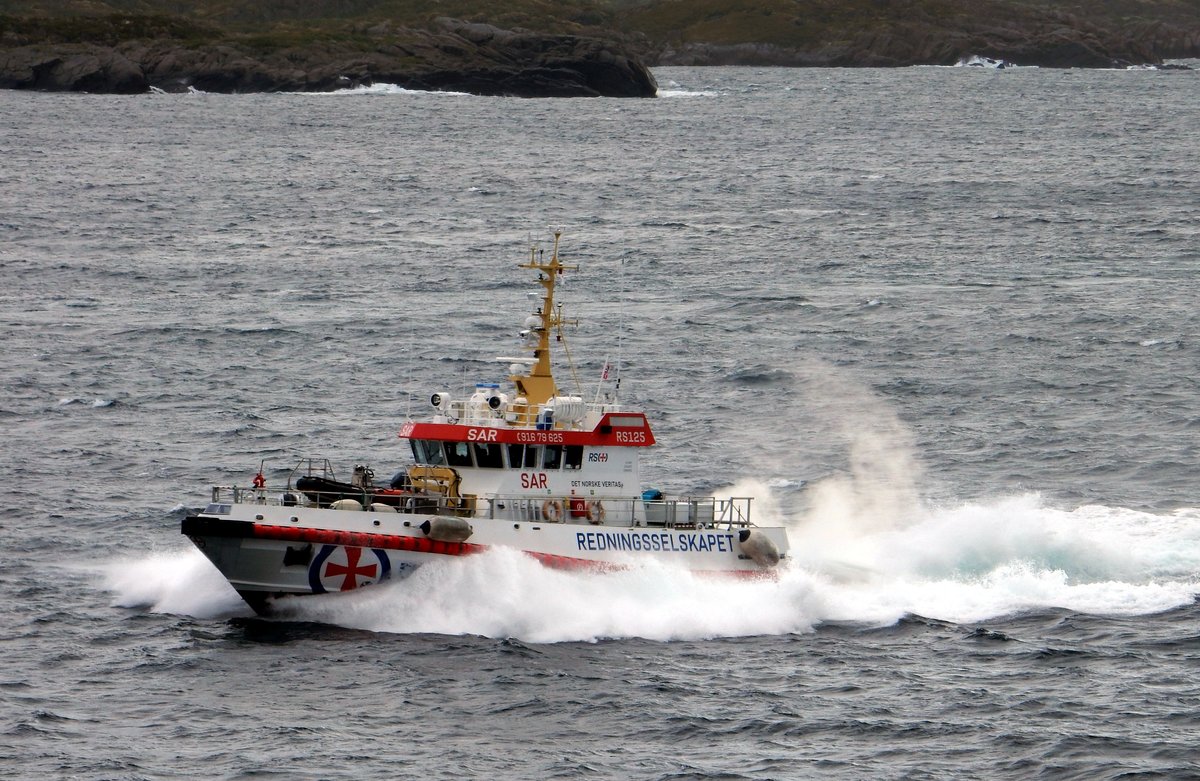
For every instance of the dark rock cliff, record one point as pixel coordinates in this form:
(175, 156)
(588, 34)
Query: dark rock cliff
(456, 56)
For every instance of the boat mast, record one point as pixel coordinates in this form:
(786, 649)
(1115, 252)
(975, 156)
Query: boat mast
(538, 387)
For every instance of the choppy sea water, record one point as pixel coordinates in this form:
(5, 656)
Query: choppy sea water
(940, 321)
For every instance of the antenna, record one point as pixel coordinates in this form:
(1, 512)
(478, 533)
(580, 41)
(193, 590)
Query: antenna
(408, 405)
(621, 330)
(603, 379)
(567, 351)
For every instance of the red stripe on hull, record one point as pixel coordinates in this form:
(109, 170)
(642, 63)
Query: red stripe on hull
(365, 540)
(554, 561)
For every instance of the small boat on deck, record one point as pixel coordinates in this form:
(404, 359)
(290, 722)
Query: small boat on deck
(528, 467)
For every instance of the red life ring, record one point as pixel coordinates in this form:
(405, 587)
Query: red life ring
(259, 480)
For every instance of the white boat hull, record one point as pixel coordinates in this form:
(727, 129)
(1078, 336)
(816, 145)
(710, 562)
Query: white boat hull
(268, 551)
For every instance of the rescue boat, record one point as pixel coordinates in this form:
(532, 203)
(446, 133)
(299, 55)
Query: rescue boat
(527, 466)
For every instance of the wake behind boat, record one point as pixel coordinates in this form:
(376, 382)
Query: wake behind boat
(527, 467)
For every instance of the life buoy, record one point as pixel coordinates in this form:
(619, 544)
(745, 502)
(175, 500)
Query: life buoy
(595, 512)
(259, 480)
(552, 510)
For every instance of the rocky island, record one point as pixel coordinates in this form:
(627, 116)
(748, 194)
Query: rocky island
(564, 48)
(452, 56)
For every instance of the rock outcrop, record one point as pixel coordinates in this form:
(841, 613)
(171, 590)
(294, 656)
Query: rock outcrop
(1062, 47)
(1030, 37)
(457, 56)
(70, 68)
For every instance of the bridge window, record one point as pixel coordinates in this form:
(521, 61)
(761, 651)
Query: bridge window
(552, 458)
(574, 457)
(489, 455)
(524, 457)
(427, 452)
(458, 454)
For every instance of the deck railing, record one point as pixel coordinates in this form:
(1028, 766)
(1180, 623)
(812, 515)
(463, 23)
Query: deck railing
(686, 512)
(467, 412)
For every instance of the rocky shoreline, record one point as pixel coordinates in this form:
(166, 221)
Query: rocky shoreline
(1051, 44)
(460, 57)
(483, 59)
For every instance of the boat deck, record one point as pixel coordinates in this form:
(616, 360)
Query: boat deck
(677, 512)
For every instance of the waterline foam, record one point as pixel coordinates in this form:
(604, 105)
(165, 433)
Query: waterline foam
(964, 564)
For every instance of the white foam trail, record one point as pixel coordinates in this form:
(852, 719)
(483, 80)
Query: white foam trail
(969, 563)
(97, 402)
(504, 593)
(380, 88)
(980, 561)
(889, 555)
(182, 582)
(966, 564)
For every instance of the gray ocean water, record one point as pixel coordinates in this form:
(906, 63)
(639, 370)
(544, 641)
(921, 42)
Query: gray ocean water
(941, 321)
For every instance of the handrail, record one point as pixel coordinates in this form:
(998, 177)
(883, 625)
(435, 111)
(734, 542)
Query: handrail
(702, 512)
(460, 411)
(670, 512)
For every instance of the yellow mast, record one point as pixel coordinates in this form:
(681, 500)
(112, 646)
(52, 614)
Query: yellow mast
(537, 387)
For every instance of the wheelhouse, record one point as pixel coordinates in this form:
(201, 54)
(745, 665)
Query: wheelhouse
(491, 455)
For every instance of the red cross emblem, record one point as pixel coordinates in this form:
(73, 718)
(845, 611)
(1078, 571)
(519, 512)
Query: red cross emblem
(351, 570)
(342, 568)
